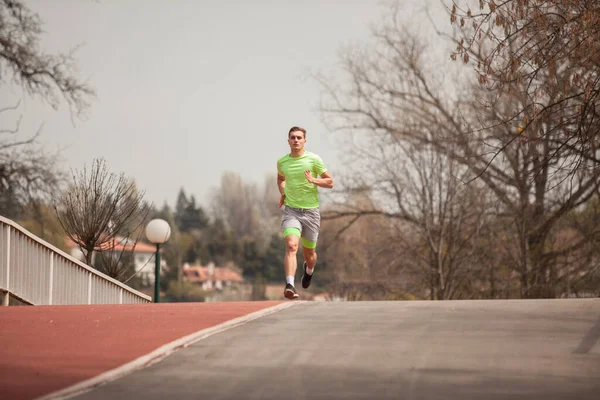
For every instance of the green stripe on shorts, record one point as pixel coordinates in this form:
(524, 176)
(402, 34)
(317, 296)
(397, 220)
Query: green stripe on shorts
(308, 244)
(291, 231)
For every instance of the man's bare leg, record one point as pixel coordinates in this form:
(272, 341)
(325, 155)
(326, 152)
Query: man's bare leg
(291, 248)
(310, 256)
(290, 264)
(310, 259)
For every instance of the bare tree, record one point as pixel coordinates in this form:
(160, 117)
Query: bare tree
(49, 76)
(392, 91)
(437, 219)
(448, 218)
(548, 53)
(359, 258)
(100, 207)
(240, 205)
(116, 257)
(539, 186)
(575, 264)
(26, 172)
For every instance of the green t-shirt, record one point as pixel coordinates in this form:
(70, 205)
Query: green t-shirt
(299, 192)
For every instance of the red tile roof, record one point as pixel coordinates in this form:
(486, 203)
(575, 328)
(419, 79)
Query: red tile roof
(201, 274)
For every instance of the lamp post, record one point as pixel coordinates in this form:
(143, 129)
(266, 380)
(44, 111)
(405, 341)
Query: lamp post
(158, 232)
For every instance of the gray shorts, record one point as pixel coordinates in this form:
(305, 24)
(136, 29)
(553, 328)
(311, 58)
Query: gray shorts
(307, 220)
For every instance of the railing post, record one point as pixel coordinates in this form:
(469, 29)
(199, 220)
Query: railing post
(90, 288)
(51, 283)
(121, 296)
(6, 298)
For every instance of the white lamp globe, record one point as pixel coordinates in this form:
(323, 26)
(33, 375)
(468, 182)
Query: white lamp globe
(158, 231)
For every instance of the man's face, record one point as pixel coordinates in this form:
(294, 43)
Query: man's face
(296, 140)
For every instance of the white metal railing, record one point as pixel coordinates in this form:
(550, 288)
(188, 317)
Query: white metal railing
(35, 272)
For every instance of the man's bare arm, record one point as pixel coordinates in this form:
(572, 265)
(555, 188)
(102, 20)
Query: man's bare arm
(326, 181)
(281, 183)
(281, 186)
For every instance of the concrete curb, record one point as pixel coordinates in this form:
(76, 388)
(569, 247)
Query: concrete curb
(160, 353)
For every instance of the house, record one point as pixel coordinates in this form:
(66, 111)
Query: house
(211, 277)
(143, 257)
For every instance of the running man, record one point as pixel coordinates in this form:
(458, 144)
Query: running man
(297, 179)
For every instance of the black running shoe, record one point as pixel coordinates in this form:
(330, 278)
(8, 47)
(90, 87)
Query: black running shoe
(290, 292)
(306, 277)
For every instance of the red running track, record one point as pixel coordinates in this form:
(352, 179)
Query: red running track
(47, 348)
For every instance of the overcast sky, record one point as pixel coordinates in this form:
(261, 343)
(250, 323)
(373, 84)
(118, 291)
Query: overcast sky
(189, 89)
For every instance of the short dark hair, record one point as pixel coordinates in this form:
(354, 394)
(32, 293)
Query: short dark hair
(297, 128)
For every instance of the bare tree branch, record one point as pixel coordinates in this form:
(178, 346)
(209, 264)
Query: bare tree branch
(99, 207)
(48, 76)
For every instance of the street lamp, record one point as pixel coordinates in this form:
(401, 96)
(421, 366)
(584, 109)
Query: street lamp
(158, 232)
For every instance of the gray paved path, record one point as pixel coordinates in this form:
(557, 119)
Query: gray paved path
(536, 349)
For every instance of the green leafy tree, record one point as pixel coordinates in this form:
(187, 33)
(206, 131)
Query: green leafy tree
(189, 217)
